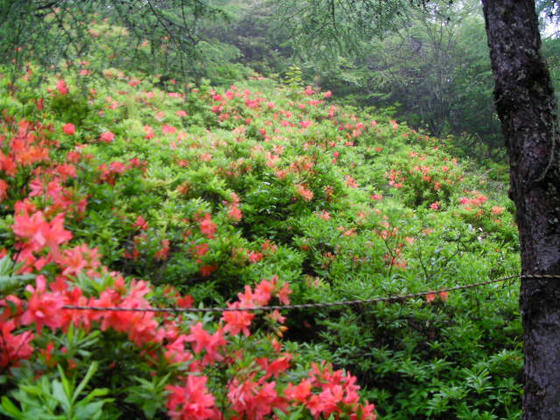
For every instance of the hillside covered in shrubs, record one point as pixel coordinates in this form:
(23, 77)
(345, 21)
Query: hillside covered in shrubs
(122, 190)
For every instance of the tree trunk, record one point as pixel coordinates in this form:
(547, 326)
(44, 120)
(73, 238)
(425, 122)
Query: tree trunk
(527, 109)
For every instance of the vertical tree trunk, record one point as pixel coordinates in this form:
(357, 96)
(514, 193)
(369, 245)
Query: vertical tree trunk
(527, 109)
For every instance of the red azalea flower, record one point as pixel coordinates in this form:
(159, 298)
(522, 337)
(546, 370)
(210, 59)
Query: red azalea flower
(193, 401)
(107, 137)
(207, 227)
(62, 87)
(69, 129)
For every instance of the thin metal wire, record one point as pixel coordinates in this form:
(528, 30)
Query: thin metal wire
(395, 298)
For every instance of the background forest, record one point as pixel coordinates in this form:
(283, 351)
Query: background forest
(428, 62)
(239, 153)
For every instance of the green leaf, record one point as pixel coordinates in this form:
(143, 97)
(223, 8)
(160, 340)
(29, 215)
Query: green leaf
(9, 280)
(91, 371)
(60, 395)
(8, 408)
(66, 385)
(97, 392)
(90, 411)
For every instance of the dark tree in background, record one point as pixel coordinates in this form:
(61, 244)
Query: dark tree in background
(527, 109)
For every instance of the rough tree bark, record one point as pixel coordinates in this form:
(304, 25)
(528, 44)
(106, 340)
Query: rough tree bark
(527, 109)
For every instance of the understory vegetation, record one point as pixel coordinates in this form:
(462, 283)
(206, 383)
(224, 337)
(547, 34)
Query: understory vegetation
(121, 188)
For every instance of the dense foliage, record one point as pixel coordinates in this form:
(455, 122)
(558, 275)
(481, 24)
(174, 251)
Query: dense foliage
(123, 190)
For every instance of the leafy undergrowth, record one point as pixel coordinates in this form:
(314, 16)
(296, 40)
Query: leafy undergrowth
(124, 194)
